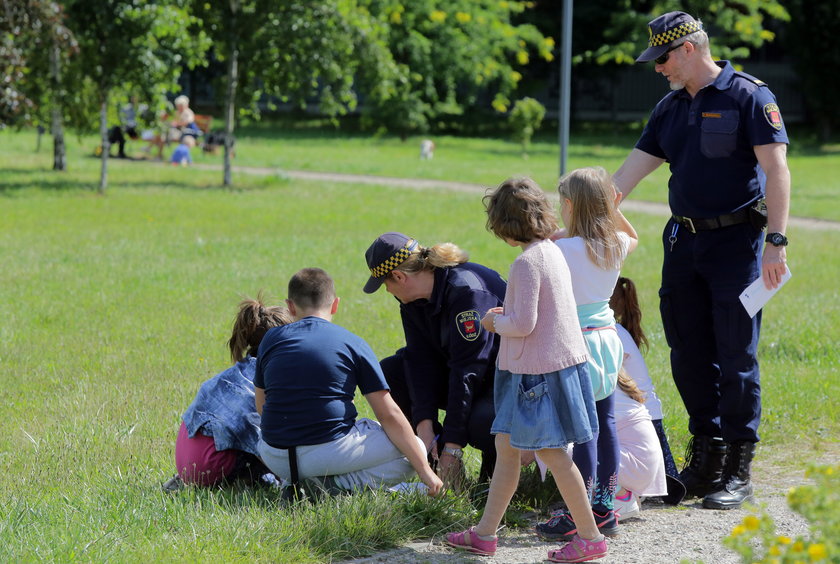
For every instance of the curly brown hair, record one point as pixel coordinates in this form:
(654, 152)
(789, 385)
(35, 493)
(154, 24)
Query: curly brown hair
(519, 210)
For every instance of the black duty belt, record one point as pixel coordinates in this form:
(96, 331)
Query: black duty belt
(706, 224)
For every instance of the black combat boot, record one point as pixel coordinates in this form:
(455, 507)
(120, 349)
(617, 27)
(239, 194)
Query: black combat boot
(736, 488)
(704, 465)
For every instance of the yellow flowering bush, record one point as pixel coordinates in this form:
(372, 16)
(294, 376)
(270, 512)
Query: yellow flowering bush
(755, 538)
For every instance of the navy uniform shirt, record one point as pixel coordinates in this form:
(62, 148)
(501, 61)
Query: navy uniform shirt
(310, 370)
(449, 357)
(708, 141)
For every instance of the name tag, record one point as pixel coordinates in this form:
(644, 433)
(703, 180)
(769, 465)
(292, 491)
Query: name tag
(710, 115)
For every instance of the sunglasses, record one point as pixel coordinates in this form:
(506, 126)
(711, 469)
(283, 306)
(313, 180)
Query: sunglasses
(663, 58)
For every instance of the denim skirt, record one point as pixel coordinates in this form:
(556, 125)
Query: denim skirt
(545, 410)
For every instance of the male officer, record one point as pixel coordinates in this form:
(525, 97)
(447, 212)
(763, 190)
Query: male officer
(722, 134)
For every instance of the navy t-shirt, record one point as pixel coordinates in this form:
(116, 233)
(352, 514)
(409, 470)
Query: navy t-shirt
(708, 141)
(309, 370)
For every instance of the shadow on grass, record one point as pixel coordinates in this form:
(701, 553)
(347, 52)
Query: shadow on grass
(57, 181)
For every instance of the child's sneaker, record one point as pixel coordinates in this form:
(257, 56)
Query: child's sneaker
(468, 540)
(627, 507)
(579, 550)
(561, 526)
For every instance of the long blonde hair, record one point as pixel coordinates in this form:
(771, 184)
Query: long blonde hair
(429, 258)
(592, 193)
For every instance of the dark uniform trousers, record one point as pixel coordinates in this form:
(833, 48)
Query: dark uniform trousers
(480, 419)
(713, 340)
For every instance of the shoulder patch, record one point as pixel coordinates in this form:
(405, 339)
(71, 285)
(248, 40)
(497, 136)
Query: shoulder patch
(469, 324)
(773, 116)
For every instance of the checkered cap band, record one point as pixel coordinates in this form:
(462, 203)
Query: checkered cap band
(674, 33)
(394, 260)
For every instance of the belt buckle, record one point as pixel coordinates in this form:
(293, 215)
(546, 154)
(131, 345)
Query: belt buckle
(686, 222)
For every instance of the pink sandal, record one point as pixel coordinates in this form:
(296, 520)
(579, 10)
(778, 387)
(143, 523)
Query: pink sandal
(579, 550)
(468, 540)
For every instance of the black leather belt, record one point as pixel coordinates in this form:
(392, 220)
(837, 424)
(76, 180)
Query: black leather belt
(706, 224)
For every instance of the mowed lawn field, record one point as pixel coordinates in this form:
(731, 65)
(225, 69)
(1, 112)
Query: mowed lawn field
(115, 308)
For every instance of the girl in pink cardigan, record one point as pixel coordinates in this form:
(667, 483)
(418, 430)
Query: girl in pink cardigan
(543, 393)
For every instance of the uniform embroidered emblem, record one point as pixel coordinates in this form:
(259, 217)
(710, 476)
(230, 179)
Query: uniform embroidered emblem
(469, 324)
(773, 115)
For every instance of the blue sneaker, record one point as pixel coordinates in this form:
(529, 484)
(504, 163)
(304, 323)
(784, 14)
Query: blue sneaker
(561, 526)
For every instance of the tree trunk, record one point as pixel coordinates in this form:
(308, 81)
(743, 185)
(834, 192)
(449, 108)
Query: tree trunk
(59, 153)
(230, 102)
(106, 144)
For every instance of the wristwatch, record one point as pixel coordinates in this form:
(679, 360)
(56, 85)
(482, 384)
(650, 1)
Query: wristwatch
(456, 452)
(776, 239)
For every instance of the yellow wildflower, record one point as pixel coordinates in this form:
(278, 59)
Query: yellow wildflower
(738, 530)
(463, 17)
(817, 552)
(522, 57)
(783, 540)
(798, 546)
(751, 522)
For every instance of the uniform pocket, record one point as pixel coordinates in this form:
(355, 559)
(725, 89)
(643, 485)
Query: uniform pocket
(669, 323)
(719, 134)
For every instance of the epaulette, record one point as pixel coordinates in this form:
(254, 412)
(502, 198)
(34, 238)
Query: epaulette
(751, 78)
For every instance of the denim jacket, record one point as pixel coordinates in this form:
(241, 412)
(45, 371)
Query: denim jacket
(224, 409)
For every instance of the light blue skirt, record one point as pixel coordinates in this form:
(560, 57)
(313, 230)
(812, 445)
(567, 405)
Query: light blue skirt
(545, 410)
(606, 353)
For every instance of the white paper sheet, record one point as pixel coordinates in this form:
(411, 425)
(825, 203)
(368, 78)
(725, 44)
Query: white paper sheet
(757, 294)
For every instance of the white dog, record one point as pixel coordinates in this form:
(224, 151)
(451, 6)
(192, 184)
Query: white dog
(427, 149)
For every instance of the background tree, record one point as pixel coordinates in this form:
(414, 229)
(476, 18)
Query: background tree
(34, 42)
(452, 56)
(126, 47)
(300, 52)
(812, 39)
(524, 119)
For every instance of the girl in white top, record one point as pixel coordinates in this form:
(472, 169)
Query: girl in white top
(542, 390)
(595, 242)
(628, 316)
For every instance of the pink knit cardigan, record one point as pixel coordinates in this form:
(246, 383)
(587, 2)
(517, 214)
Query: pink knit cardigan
(539, 328)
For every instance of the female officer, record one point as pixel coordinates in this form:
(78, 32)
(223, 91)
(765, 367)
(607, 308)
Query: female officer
(448, 360)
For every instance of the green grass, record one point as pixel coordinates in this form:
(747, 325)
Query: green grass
(114, 309)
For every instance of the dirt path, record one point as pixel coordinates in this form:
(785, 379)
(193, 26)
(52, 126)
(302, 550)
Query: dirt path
(653, 208)
(661, 535)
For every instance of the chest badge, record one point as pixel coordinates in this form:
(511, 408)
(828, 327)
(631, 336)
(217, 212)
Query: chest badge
(469, 324)
(773, 116)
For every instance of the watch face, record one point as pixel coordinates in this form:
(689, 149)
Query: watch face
(777, 239)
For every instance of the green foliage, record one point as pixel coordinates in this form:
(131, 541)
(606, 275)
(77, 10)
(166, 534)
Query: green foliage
(734, 26)
(811, 38)
(29, 30)
(524, 119)
(126, 48)
(451, 56)
(755, 539)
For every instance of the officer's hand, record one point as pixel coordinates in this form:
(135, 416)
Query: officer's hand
(452, 471)
(773, 265)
